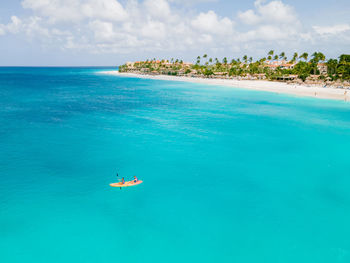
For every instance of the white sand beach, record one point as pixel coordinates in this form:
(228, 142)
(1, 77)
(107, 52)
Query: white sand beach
(270, 86)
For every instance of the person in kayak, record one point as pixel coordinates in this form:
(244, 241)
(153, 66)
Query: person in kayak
(123, 180)
(135, 179)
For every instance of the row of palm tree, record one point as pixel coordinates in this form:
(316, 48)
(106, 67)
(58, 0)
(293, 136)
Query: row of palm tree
(316, 57)
(301, 66)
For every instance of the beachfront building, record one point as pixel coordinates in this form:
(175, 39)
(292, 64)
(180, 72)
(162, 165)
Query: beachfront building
(322, 67)
(130, 64)
(288, 65)
(283, 64)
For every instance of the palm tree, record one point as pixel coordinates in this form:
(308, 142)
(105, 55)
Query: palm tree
(275, 57)
(270, 53)
(315, 56)
(283, 56)
(304, 56)
(250, 59)
(205, 56)
(269, 57)
(295, 57)
(332, 66)
(315, 59)
(321, 56)
(262, 60)
(224, 61)
(245, 58)
(210, 60)
(198, 60)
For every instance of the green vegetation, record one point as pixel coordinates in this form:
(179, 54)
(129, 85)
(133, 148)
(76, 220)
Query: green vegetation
(311, 69)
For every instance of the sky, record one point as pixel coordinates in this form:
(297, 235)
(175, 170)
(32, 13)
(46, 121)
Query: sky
(111, 32)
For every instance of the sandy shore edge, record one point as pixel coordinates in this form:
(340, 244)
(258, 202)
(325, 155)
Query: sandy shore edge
(270, 86)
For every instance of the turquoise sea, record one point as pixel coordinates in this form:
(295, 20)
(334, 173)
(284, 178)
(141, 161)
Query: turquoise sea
(230, 175)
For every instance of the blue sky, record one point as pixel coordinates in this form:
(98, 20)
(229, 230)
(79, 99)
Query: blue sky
(110, 32)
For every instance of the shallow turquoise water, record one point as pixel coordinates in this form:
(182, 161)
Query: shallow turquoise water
(229, 175)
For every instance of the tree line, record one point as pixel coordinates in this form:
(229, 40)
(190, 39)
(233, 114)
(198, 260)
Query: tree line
(272, 66)
(301, 65)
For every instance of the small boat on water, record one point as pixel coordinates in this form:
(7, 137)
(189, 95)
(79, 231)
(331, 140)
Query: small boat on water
(126, 184)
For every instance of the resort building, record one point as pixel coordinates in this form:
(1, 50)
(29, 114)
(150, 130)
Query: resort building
(322, 67)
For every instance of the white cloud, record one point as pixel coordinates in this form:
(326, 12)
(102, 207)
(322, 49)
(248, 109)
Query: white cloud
(269, 32)
(158, 8)
(331, 30)
(15, 25)
(210, 23)
(55, 10)
(192, 2)
(104, 9)
(76, 10)
(205, 38)
(265, 33)
(12, 27)
(153, 30)
(103, 31)
(276, 11)
(33, 28)
(272, 12)
(2, 30)
(271, 21)
(107, 26)
(249, 17)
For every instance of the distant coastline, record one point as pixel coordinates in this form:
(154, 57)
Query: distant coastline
(305, 90)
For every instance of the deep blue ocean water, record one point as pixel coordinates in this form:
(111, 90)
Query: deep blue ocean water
(230, 175)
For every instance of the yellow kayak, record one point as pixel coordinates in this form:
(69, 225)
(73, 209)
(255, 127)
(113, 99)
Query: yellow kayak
(126, 184)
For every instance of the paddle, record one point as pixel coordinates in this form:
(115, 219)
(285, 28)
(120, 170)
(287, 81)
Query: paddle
(119, 180)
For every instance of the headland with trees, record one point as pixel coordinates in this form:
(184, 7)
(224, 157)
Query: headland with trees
(302, 68)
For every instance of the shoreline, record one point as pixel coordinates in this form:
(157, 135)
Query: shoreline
(261, 85)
